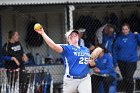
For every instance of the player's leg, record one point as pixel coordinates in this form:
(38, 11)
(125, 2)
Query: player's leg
(85, 85)
(70, 85)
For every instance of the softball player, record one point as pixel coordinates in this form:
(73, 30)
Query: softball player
(75, 57)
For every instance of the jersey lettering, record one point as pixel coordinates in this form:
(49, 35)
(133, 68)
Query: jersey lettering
(81, 54)
(16, 48)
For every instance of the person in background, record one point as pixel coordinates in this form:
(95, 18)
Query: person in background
(99, 35)
(104, 72)
(91, 47)
(81, 34)
(125, 55)
(106, 36)
(14, 58)
(109, 35)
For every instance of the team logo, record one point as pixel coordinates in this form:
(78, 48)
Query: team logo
(16, 48)
(124, 40)
(104, 61)
(75, 49)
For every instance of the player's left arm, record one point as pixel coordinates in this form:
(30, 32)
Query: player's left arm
(93, 57)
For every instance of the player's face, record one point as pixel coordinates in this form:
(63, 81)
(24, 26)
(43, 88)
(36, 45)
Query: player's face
(125, 30)
(73, 38)
(110, 31)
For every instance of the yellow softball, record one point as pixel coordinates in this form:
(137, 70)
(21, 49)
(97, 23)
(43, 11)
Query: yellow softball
(37, 27)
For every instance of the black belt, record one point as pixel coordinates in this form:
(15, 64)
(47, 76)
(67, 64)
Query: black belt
(76, 77)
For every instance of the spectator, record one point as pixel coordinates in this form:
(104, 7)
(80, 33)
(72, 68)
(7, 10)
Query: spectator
(109, 36)
(81, 34)
(106, 36)
(103, 72)
(99, 34)
(14, 58)
(125, 54)
(91, 47)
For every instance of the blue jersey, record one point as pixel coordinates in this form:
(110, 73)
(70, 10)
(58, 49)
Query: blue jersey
(75, 60)
(125, 47)
(105, 64)
(108, 41)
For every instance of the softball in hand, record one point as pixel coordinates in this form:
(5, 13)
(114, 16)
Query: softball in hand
(37, 27)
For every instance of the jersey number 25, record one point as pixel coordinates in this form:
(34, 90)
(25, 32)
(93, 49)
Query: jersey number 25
(83, 60)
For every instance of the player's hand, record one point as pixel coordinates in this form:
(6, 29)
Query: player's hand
(96, 70)
(25, 58)
(15, 60)
(40, 31)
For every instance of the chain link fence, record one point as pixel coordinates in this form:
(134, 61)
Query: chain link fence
(56, 20)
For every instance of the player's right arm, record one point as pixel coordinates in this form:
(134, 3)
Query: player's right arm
(95, 53)
(50, 42)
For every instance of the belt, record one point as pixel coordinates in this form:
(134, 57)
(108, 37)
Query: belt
(76, 77)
